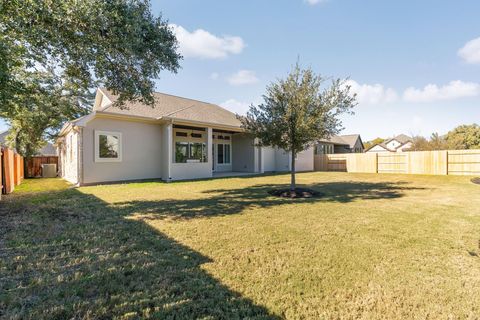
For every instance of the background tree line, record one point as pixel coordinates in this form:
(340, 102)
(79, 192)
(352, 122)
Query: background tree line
(462, 137)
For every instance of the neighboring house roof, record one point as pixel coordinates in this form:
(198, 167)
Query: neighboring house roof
(345, 140)
(173, 107)
(47, 150)
(401, 138)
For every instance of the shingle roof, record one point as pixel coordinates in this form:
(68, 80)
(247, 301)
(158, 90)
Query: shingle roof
(402, 138)
(346, 140)
(47, 150)
(175, 107)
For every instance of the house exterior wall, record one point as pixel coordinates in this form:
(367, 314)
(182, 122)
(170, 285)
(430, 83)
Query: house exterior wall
(358, 147)
(304, 161)
(243, 153)
(393, 144)
(377, 149)
(268, 159)
(69, 157)
(141, 151)
(404, 147)
(282, 160)
(166, 150)
(185, 171)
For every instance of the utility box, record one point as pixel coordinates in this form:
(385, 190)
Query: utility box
(49, 170)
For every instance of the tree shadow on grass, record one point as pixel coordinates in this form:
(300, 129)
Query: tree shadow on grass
(232, 201)
(70, 255)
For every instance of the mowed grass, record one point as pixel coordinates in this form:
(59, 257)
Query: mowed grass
(373, 247)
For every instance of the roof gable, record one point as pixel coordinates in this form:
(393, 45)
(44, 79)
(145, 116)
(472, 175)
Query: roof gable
(174, 107)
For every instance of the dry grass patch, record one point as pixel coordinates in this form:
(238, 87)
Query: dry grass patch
(373, 246)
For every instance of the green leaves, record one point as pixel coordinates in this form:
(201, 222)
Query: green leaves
(297, 111)
(53, 53)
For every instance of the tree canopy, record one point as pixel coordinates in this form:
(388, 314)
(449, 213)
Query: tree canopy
(53, 53)
(297, 112)
(461, 137)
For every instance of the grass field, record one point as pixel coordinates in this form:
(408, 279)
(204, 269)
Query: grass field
(373, 247)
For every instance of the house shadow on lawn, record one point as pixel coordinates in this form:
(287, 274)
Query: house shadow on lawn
(233, 201)
(70, 255)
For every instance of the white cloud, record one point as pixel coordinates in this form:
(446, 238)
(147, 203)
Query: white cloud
(214, 76)
(202, 44)
(432, 92)
(372, 93)
(471, 51)
(314, 2)
(242, 77)
(236, 106)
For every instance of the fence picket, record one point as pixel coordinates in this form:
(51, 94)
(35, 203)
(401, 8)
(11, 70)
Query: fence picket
(455, 162)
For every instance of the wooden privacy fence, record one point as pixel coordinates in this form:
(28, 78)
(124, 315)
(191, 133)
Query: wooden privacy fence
(11, 173)
(34, 165)
(447, 162)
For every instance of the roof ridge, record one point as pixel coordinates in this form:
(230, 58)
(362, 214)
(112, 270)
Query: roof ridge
(171, 95)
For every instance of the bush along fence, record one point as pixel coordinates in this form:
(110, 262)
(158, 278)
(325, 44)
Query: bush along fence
(12, 168)
(446, 162)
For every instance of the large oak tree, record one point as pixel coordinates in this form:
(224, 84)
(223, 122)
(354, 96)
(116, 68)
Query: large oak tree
(53, 53)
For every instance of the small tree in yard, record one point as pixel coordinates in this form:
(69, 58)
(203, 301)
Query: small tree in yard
(297, 112)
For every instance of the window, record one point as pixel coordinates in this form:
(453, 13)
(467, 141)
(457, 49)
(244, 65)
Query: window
(108, 146)
(181, 152)
(180, 134)
(223, 153)
(227, 153)
(190, 152)
(196, 135)
(220, 153)
(198, 151)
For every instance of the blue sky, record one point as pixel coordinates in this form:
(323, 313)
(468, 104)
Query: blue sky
(414, 64)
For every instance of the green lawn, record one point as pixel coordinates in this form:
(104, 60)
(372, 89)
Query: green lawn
(373, 247)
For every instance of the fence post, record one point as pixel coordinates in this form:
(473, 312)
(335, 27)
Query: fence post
(447, 163)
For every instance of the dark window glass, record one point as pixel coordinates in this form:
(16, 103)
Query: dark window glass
(220, 153)
(196, 135)
(181, 134)
(197, 151)
(227, 153)
(109, 145)
(181, 152)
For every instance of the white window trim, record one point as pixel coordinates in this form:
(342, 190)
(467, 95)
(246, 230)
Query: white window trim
(98, 133)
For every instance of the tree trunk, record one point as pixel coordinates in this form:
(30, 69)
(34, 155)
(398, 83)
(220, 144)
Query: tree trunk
(292, 173)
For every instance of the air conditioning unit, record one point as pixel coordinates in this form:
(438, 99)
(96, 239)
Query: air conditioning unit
(49, 170)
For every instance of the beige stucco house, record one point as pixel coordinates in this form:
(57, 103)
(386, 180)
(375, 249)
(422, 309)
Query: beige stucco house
(177, 139)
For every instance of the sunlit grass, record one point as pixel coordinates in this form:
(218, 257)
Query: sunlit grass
(374, 246)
